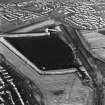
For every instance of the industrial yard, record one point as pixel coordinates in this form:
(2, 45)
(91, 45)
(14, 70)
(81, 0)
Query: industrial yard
(52, 52)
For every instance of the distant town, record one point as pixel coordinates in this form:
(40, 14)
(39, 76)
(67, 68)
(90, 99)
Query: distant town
(82, 15)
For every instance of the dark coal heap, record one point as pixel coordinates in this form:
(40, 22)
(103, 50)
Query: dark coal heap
(47, 53)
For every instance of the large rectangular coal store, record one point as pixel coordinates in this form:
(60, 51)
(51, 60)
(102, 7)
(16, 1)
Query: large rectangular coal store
(45, 70)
